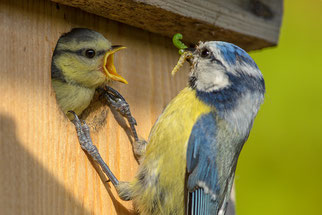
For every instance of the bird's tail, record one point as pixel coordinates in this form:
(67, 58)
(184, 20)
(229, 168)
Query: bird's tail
(200, 203)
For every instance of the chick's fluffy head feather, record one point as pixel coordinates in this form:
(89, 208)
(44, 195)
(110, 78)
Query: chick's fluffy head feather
(78, 58)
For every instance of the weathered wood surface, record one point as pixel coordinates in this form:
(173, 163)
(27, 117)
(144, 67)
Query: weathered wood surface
(42, 167)
(251, 24)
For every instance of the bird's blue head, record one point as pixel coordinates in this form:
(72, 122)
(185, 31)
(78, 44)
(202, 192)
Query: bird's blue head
(224, 75)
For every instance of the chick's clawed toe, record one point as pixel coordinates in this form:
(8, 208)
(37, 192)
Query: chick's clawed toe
(117, 101)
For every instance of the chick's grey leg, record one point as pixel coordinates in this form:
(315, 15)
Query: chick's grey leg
(83, 133)
(86, 143)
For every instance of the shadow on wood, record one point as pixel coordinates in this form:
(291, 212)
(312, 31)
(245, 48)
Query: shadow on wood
(23, 172)
(43, 169)
(120, 209)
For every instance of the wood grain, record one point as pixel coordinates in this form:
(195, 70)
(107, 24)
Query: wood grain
(251, 24)
(43, 169)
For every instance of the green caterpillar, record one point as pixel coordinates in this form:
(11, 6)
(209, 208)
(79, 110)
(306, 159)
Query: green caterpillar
(177, 43)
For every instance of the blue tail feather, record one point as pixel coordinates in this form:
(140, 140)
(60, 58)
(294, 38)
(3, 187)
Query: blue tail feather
(200, 203)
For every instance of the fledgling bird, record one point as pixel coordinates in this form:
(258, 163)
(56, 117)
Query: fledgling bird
(192, 151)
(82, 61)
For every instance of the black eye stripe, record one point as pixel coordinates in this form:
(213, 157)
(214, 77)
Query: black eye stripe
(99, 53)
(213, 59)
(80, 52)
(206, 53)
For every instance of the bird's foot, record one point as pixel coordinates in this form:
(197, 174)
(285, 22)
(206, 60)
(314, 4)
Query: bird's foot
(83, 134)
(124, 191)
(139, 148)
(117, 101)
(86, 143)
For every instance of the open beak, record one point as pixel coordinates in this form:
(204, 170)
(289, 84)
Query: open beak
(109, 67)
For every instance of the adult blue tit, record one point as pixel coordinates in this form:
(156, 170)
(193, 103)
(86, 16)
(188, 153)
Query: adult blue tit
(82, 61)
(190, 159)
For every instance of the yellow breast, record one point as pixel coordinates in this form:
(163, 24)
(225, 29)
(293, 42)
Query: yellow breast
(72, 97)
(165, 158)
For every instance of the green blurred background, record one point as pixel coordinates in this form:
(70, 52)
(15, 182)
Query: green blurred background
(280, 167)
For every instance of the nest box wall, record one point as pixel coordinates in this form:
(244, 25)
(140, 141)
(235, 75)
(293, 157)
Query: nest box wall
(250, 24)
(43, 169)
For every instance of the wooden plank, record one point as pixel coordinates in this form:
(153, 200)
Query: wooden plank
(43, 169)
(251, 24)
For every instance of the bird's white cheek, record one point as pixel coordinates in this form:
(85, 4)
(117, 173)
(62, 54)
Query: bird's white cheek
(210, 81)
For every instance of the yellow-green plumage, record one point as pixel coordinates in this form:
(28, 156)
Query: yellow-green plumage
(164, 163)
(188, 164)
(75, 74)
(72, 97)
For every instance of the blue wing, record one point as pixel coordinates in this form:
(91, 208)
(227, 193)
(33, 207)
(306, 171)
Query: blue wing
(202, 174)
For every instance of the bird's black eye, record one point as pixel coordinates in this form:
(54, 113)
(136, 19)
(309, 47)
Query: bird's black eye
(90, 53)
(205, 53)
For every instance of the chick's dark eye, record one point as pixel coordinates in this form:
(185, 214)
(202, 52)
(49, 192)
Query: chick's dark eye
(90, 53)
(205, 53)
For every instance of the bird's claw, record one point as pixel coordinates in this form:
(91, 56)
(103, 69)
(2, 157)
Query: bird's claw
(139, 148)
(83, 134)
(117, 101)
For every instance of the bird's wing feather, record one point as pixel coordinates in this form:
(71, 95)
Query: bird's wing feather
(202, 174)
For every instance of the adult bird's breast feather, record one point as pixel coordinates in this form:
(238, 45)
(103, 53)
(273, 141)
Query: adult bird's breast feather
(164, 165)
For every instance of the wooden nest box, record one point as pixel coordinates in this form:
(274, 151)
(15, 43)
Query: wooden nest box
(43, 169)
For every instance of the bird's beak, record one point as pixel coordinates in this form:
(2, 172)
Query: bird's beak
(109, 67)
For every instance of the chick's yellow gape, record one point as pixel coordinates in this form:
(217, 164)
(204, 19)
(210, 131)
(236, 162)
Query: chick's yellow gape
(82, 61)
